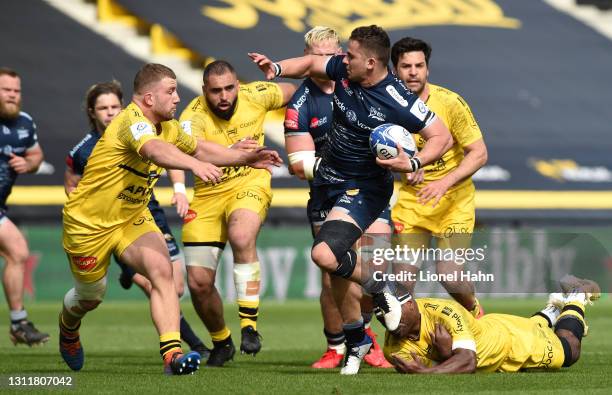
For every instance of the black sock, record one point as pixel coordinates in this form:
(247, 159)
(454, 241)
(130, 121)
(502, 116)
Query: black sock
(354, 332)
(334, 339)
(187, 334)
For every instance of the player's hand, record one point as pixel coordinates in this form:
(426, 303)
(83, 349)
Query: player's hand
(246, 144)
(416, 177)
(181, 202)
(434, 190)
(208, 172)
(264, 64)
(19, 164)
(400, 163)
(442, 342)
(264, 158)
(403, 366)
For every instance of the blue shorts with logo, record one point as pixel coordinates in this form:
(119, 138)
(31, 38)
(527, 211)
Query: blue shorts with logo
(364, 201)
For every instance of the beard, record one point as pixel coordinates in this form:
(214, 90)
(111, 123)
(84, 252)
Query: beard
(9, 111)
(225, 114)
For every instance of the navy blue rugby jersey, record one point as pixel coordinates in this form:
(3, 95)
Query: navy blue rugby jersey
(310, 111)
(16, 137)
(78, 156)
(357, 111)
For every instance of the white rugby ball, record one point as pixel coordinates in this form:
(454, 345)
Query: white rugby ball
(384, 139)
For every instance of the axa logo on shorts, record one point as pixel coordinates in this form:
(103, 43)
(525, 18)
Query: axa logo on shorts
(396, 96)
(85, 263)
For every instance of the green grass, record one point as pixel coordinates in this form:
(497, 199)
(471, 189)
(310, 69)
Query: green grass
(122, 356)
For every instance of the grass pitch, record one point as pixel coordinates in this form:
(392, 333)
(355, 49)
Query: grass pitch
(121, 355)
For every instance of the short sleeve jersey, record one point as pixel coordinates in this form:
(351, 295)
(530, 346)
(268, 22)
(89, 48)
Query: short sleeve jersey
(357, 111)
(483, 337)
(458, 118)
(118, 182)
(310, 111)
(253, 102)
(16, 137)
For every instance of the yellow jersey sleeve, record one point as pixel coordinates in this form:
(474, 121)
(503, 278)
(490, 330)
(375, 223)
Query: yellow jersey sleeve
(192, 120)
(462, 123)
(266, 94)
(137, 131)
(177, 136)
(452, 316)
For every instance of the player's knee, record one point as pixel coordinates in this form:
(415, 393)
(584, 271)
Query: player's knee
(241, 241)
(199, 284)
(17, 256)
(332, 247)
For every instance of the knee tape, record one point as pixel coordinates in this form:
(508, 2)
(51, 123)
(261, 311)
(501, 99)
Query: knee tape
(247, 280)
(340, 237)
(84, 292)
(203, 256)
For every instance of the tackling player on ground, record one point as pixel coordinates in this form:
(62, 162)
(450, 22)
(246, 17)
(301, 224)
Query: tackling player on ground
(441, 336)
(20, 154)
(103, 103)
(351, 182)
(233, 209)
(308, 120)
(107, 214)
(438, 200)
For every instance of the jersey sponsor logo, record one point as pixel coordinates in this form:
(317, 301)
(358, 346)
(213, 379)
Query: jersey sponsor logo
(345, 85)
(190, 216)
(142, 219)
(261, 87)
(85, 263)
(396, 96)
(141, 129)
(7, 150)
(376, 114)
(80, 144)
(186, 126)
(301, 100)
(339, 104)
(352, 192)
(419, 109)
(248, 123)
(22, 133)
(6, 130)
(317, 122)
(351, 116)
(431, 306)
(447, 311)
(291, 119)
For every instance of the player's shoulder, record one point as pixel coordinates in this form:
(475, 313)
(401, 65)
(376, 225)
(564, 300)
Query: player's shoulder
(438, 306)
(90, 139)
(447, 96)
(397, 91)
(25, 120)
(257, 88)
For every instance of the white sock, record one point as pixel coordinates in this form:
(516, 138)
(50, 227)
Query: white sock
(18, 315)
(552, 313)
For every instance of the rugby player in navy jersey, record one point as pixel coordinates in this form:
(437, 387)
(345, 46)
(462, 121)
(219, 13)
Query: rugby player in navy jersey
(103, 102)
(308, 119)
(353, 184)
(20, 154)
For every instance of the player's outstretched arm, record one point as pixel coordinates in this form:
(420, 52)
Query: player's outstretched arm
(259, 158)
(169, 156)
(462, 361)
(298, 68)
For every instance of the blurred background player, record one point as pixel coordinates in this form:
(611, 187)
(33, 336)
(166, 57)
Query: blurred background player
(438, 200)
(20, 154)
(441, 336)
(103, 102)
(351, 183)
(308, 120)
(232, 210)
(107, 214)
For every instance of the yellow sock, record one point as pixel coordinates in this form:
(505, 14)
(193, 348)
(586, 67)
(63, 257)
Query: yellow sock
(169, 343)
(248, 310)
(221, 335)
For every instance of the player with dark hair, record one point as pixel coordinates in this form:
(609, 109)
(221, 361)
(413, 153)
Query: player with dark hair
(354, 185)
(441, 336)
(107, 214)
(438, 200)
(232, 210)
(20, 154)
(308, 120)
(103, 103)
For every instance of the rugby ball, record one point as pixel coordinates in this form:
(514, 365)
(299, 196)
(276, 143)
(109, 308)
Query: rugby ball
(384, 139)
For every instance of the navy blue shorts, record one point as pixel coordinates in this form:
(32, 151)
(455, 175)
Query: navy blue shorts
(364, 201)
